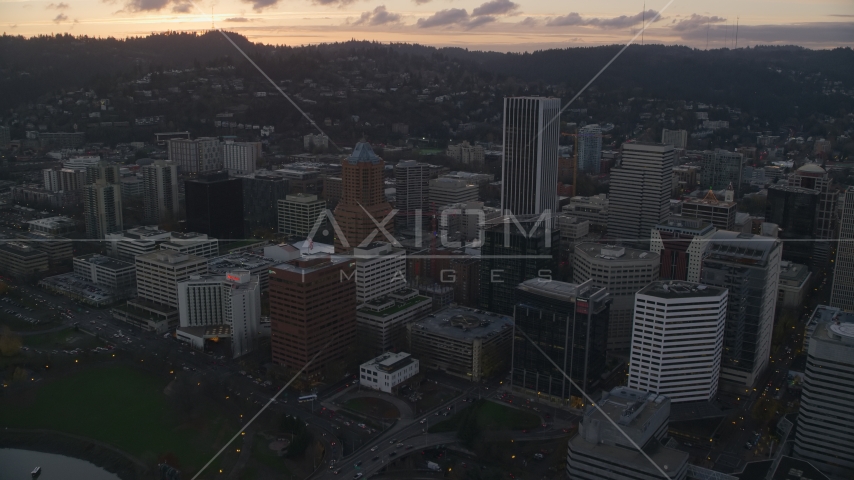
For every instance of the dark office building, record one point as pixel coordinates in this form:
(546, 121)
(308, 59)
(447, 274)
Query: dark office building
(262, 191)
(569, 322)
(793, 209)
(215, 206)
(510, 256)
(749, 267)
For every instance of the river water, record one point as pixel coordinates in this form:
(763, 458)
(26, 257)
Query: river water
(17, 464)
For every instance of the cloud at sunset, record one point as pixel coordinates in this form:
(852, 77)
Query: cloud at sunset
(379, 16)
(622, 21)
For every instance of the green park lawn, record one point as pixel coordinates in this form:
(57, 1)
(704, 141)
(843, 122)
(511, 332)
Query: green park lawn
(123, 407)
(491, 416)
(373, 407)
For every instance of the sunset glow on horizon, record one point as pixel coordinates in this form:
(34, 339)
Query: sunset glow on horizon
(502, 25)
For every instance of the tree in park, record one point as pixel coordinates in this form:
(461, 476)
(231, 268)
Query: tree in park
(10, 342)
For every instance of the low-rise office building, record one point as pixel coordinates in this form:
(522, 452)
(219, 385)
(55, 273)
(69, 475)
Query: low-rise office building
(257, 265)
(192, 243)
(157, 275)
(21, 261)
(593, 208)
(463, 342)
(381, 322)
(97, 280)
(298, 213)
(59, 250)
(106, 272)
(387, 371)
(601, 451)
(53, 225)
(128, 244)
(445, 191)
(794, 285)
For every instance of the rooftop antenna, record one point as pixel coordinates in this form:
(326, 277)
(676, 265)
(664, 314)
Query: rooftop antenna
(643, 21)
(726, 35)
(212, 17)
(708, 25)
(736, 32)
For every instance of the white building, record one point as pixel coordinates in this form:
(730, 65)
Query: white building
(677, 340)
(160, 191)
(444, 191)
(240, 158)
(387, 371)
(126, 245)
(311, 140)
(825, 431)
(466, 153)
(51, 179)
(158, 274)
(842, 293)
(590, 148)
(233, 300)
(572, 229)
(464, 222)
(106, 272)
(197, 156)
(593, 208)
(192, 243)
(380, 270)
(102, 209)
(529, 167)
(640, 192)
(623, 272)
(298, 213)
(677, 138)
(81, 162)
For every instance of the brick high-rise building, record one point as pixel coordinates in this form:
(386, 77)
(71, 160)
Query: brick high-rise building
(312, 303)
(363, 194)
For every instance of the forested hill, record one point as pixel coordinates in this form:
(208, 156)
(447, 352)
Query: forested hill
(769, 80)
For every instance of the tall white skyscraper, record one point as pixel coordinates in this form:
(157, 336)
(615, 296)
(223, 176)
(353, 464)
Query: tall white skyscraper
(102, 209)
(842, 294)
(590, 148)
(825, 432)
(240, 158)
(160, 191)
(677, 340)
(529, 168)
(640, 192)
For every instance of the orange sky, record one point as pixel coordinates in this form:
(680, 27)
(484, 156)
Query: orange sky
(494, 24)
